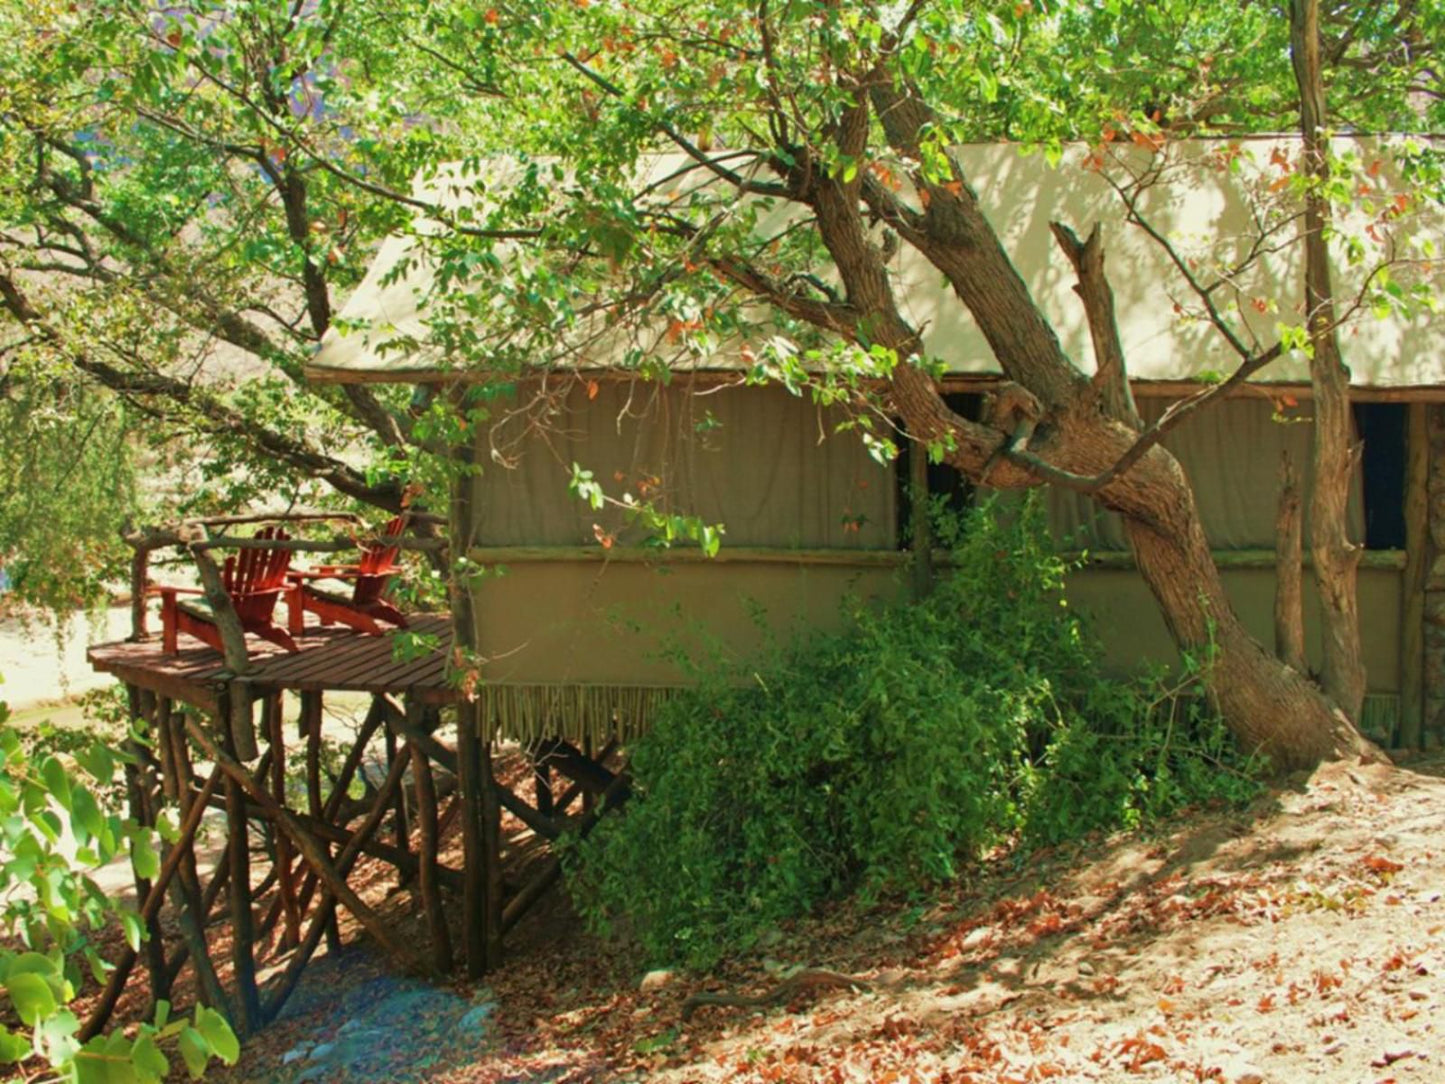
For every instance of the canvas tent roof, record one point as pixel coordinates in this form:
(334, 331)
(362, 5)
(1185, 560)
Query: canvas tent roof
(1205, 209)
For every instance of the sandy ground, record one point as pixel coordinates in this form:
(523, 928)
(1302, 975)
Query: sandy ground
(39, 666)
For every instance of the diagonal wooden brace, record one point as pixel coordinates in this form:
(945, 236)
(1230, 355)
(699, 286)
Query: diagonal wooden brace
(311, 850)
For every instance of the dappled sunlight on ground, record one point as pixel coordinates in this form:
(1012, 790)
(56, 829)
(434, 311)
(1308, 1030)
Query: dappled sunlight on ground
(1303, 940)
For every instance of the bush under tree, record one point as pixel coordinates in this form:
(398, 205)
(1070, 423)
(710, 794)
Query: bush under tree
(886, 757)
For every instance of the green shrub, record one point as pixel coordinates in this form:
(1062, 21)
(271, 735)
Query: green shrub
(886, 756)
(55, 831)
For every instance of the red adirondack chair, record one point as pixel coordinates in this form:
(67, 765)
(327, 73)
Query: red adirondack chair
(255, 579)
(365, 606)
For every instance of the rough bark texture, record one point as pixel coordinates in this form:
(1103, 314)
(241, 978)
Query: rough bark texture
(1336, 557)
(1289, 619)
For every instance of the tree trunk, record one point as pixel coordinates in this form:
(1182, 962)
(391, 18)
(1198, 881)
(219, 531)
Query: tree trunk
(1060, 427)
(1289, 629)
(1336, 557)
(1268, 706)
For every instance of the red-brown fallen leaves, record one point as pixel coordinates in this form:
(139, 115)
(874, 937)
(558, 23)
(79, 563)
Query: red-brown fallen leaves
(1147, 961)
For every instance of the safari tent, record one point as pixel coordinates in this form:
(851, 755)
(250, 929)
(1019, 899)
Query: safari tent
(583, 625)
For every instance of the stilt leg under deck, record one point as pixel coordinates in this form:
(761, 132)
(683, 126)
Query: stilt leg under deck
(400, 823)
(137, 785)
(311, 709)
(238, 858)
(492, 850)
(185, 888)
(286, 883)
(470, 784)
(428, 877)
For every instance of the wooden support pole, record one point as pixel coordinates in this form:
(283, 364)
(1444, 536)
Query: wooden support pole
(471, 788)
(149, 910)
(354, 757)
(400, 826)
(155, 946)
(329, 899)
(475, 793)
(238, 859)
(449, 814)
(1417, 571)
(404, 724)
(186, 886)
(311, 719)
(326, 832)
(314, 853)
(492, 854)
(573, 790)
(1289, 618)
(551, 872)
(427, 879)
(275, 728)
(219, 879)
(577, 766)
(161, 741)
(322, 816)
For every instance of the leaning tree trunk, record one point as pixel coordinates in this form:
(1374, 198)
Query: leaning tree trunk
(1336, 557)
(1269, 706)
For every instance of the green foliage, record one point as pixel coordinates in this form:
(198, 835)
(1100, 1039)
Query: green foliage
(66, 480)
(55, 832)
(887, 756)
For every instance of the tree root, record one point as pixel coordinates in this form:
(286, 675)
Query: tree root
(803, 980)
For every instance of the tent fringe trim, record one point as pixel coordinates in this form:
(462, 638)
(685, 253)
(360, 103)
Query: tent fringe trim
(583, 714)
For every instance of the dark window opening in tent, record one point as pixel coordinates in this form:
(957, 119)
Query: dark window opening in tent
(946, 485)
(1381, 427)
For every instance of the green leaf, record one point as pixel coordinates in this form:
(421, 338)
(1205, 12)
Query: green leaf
(98, 761)
(56, 781)
(195, 1052)
(32, 997)
(13, 1047)
(106, 1059)
(150, 1064)
(143, 854)
(219, 1034)
(130, 923)
(85, 815)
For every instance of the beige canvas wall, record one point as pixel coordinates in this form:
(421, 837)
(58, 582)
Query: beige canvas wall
(574, 629)
(767, 465)
(1133, 631)
(581, 622)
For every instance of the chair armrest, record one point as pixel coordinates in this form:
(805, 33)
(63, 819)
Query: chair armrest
(167, 589)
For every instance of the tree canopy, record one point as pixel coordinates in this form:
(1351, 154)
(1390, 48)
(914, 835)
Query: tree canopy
(190, 191)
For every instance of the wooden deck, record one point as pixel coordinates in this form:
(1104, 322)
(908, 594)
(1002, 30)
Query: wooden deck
(334, 658)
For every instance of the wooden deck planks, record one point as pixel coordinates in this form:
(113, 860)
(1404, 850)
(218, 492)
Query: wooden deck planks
(330, 658)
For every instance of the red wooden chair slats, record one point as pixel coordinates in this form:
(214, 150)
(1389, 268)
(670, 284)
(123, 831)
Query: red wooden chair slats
(254, 579)
(369, 576)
